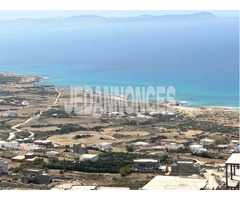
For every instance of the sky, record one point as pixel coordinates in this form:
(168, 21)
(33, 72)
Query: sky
(14, 14)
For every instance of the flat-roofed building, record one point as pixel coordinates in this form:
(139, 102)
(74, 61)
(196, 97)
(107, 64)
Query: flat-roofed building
(197, 148)
(89, 157)
(104, 146)
(44, 143)
(207, 141)
(173, 146)
(175, 183)
(36, 176)
(184, 168)
(146, 165)
(144, 144)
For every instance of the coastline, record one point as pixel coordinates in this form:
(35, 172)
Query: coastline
(34, 79)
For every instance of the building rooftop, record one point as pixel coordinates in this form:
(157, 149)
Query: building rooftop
(174, 183)
(18, 157)
(234, 159)
(88, 155)
(208, 140)
(113, 188)
(185, 162)
(146, 160)
(42, 141)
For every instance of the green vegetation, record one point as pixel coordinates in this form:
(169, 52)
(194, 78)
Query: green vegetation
(82, 136)
(65, 129)
(211, 127)
(9, 79)
(129, 148)
(57, 114)
(124, 171)
(110, 162)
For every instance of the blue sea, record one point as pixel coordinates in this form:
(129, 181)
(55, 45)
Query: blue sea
(200, 60)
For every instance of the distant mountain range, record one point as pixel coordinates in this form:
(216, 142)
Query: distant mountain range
(94, 20)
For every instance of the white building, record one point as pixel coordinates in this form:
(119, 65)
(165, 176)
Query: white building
(173, 146)
(197, 148)
(145, 144)
(104, 146)
(12, 113)
(12, 145)
(139, 115)
(207, 141)
(234, 143)
(90, 157)
(3, 167)
(25, 103)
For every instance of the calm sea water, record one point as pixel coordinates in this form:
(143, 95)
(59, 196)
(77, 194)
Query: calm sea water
(200, 60)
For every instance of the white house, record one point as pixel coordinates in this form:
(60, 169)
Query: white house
(197, 148)
(90, 157)
(12, 145)
(104, 146)
(12, 113)
(234, 142)
(207, 141)
(2, 144)
(145, 144)
(3, 167)
(173, 146)
(25, 103)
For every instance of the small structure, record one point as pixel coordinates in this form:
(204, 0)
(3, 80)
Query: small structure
(207, 141)
(144, 144)
(29, 147)
(12, 145)
(232, 178)
(175, 183)
(173, 146)
(139, 115)
(89, 157)
(36, 176)
(12, 113)
(25, 103)
(197, 148)
(3, 167)
(29, 157)
(19, 159)
(43, 143)
(234, 143)
(104, 146)
(79, 148)
(2, 102)
(184, 168)
(56, 106)
(146, 165)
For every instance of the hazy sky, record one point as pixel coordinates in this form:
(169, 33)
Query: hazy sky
(118, 13)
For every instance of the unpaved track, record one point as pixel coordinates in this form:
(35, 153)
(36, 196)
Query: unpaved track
(18, 130)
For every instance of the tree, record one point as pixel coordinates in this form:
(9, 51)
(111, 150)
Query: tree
(129, 148)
